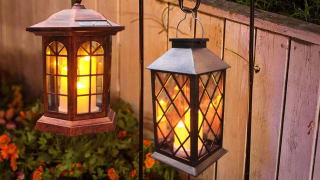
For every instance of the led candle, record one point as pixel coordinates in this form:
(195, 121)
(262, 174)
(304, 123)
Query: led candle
(183, 134)
(94, 107)
(63, 103)
(83, 85)
(163, 123)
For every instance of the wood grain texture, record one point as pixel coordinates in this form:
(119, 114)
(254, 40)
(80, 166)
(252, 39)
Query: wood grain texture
(129, 52)
(276, 23)
(156, 43)
(301, 113)
(268, 95)
(316, 172)
(236, 53)
(111, 11)
(20, 54)
(214, 30)
(186, 27)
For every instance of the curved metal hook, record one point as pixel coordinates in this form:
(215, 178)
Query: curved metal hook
(194, 17)
(189, 10)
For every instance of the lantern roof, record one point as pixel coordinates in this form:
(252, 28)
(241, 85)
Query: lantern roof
(189, 56)
(76, 19)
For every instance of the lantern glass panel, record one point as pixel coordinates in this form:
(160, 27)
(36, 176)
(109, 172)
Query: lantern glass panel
(90, 79)
(173, 113)
(210, 112)
(57, 77)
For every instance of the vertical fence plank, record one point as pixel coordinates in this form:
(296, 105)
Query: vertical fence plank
(316, 172)
(236, 53)
(301, 113)
(268, 93)
(21, 50)
(156, 22)
(111, 10)
(129, 52)
(213, 29)
(186, 27)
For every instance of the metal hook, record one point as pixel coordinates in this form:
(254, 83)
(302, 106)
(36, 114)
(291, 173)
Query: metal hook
(195, 18)
(189, 10)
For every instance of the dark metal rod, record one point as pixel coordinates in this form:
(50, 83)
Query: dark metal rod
(195, 25)
(251, 74)
(141, 50)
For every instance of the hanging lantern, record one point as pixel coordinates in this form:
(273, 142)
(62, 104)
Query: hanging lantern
(188, 85)
(77, 63)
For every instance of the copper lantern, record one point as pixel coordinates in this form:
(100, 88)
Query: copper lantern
(77, 63)
(188, 92)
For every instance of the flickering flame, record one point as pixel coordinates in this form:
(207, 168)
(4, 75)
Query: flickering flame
(87, 58)
(180, 124)
(80, 86)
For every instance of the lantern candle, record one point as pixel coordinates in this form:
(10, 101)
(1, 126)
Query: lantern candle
(163, 123)
(63, 104)
(182, 134)
(84, 84)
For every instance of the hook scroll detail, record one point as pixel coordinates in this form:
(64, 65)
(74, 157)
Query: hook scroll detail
(189, 10)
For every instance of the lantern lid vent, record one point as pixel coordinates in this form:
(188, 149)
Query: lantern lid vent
(76, 19)
(189, 56)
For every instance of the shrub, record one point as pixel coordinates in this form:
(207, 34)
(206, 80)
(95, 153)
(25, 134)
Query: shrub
(307, 10)
(42, 155)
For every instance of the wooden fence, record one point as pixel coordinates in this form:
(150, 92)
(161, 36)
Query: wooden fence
(285, 124)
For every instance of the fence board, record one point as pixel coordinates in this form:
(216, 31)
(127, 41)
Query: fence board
(21, 50)
(111, 11)
(214, 30)
(236, 52)
(156, 44)
(301, 112)
(316, 172)
(129, 52)
(268, 92)
(186, 26)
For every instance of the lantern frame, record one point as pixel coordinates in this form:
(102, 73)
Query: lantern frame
(72, 28)
(179, 61)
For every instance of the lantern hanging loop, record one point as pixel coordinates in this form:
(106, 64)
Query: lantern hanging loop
(78, 1)
(196, 20)
(195, 9)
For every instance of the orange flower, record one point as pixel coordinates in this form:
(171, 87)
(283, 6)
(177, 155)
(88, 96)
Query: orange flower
(146, 143)
(4, 140)
(2, 113)
(133, 173)
(12, 149)
(13, 162)
(37, 174)
(23, 115)
(113, 174)
(41, 163)
(78, 166)
(149, 161)
(122, 134)
(4, 152)
(9, 113)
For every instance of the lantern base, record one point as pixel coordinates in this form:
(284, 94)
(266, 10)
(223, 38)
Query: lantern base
(194, 171)
(77, 128)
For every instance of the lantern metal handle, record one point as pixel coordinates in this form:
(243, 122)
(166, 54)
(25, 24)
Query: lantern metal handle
(195, 18)
(196, 7)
